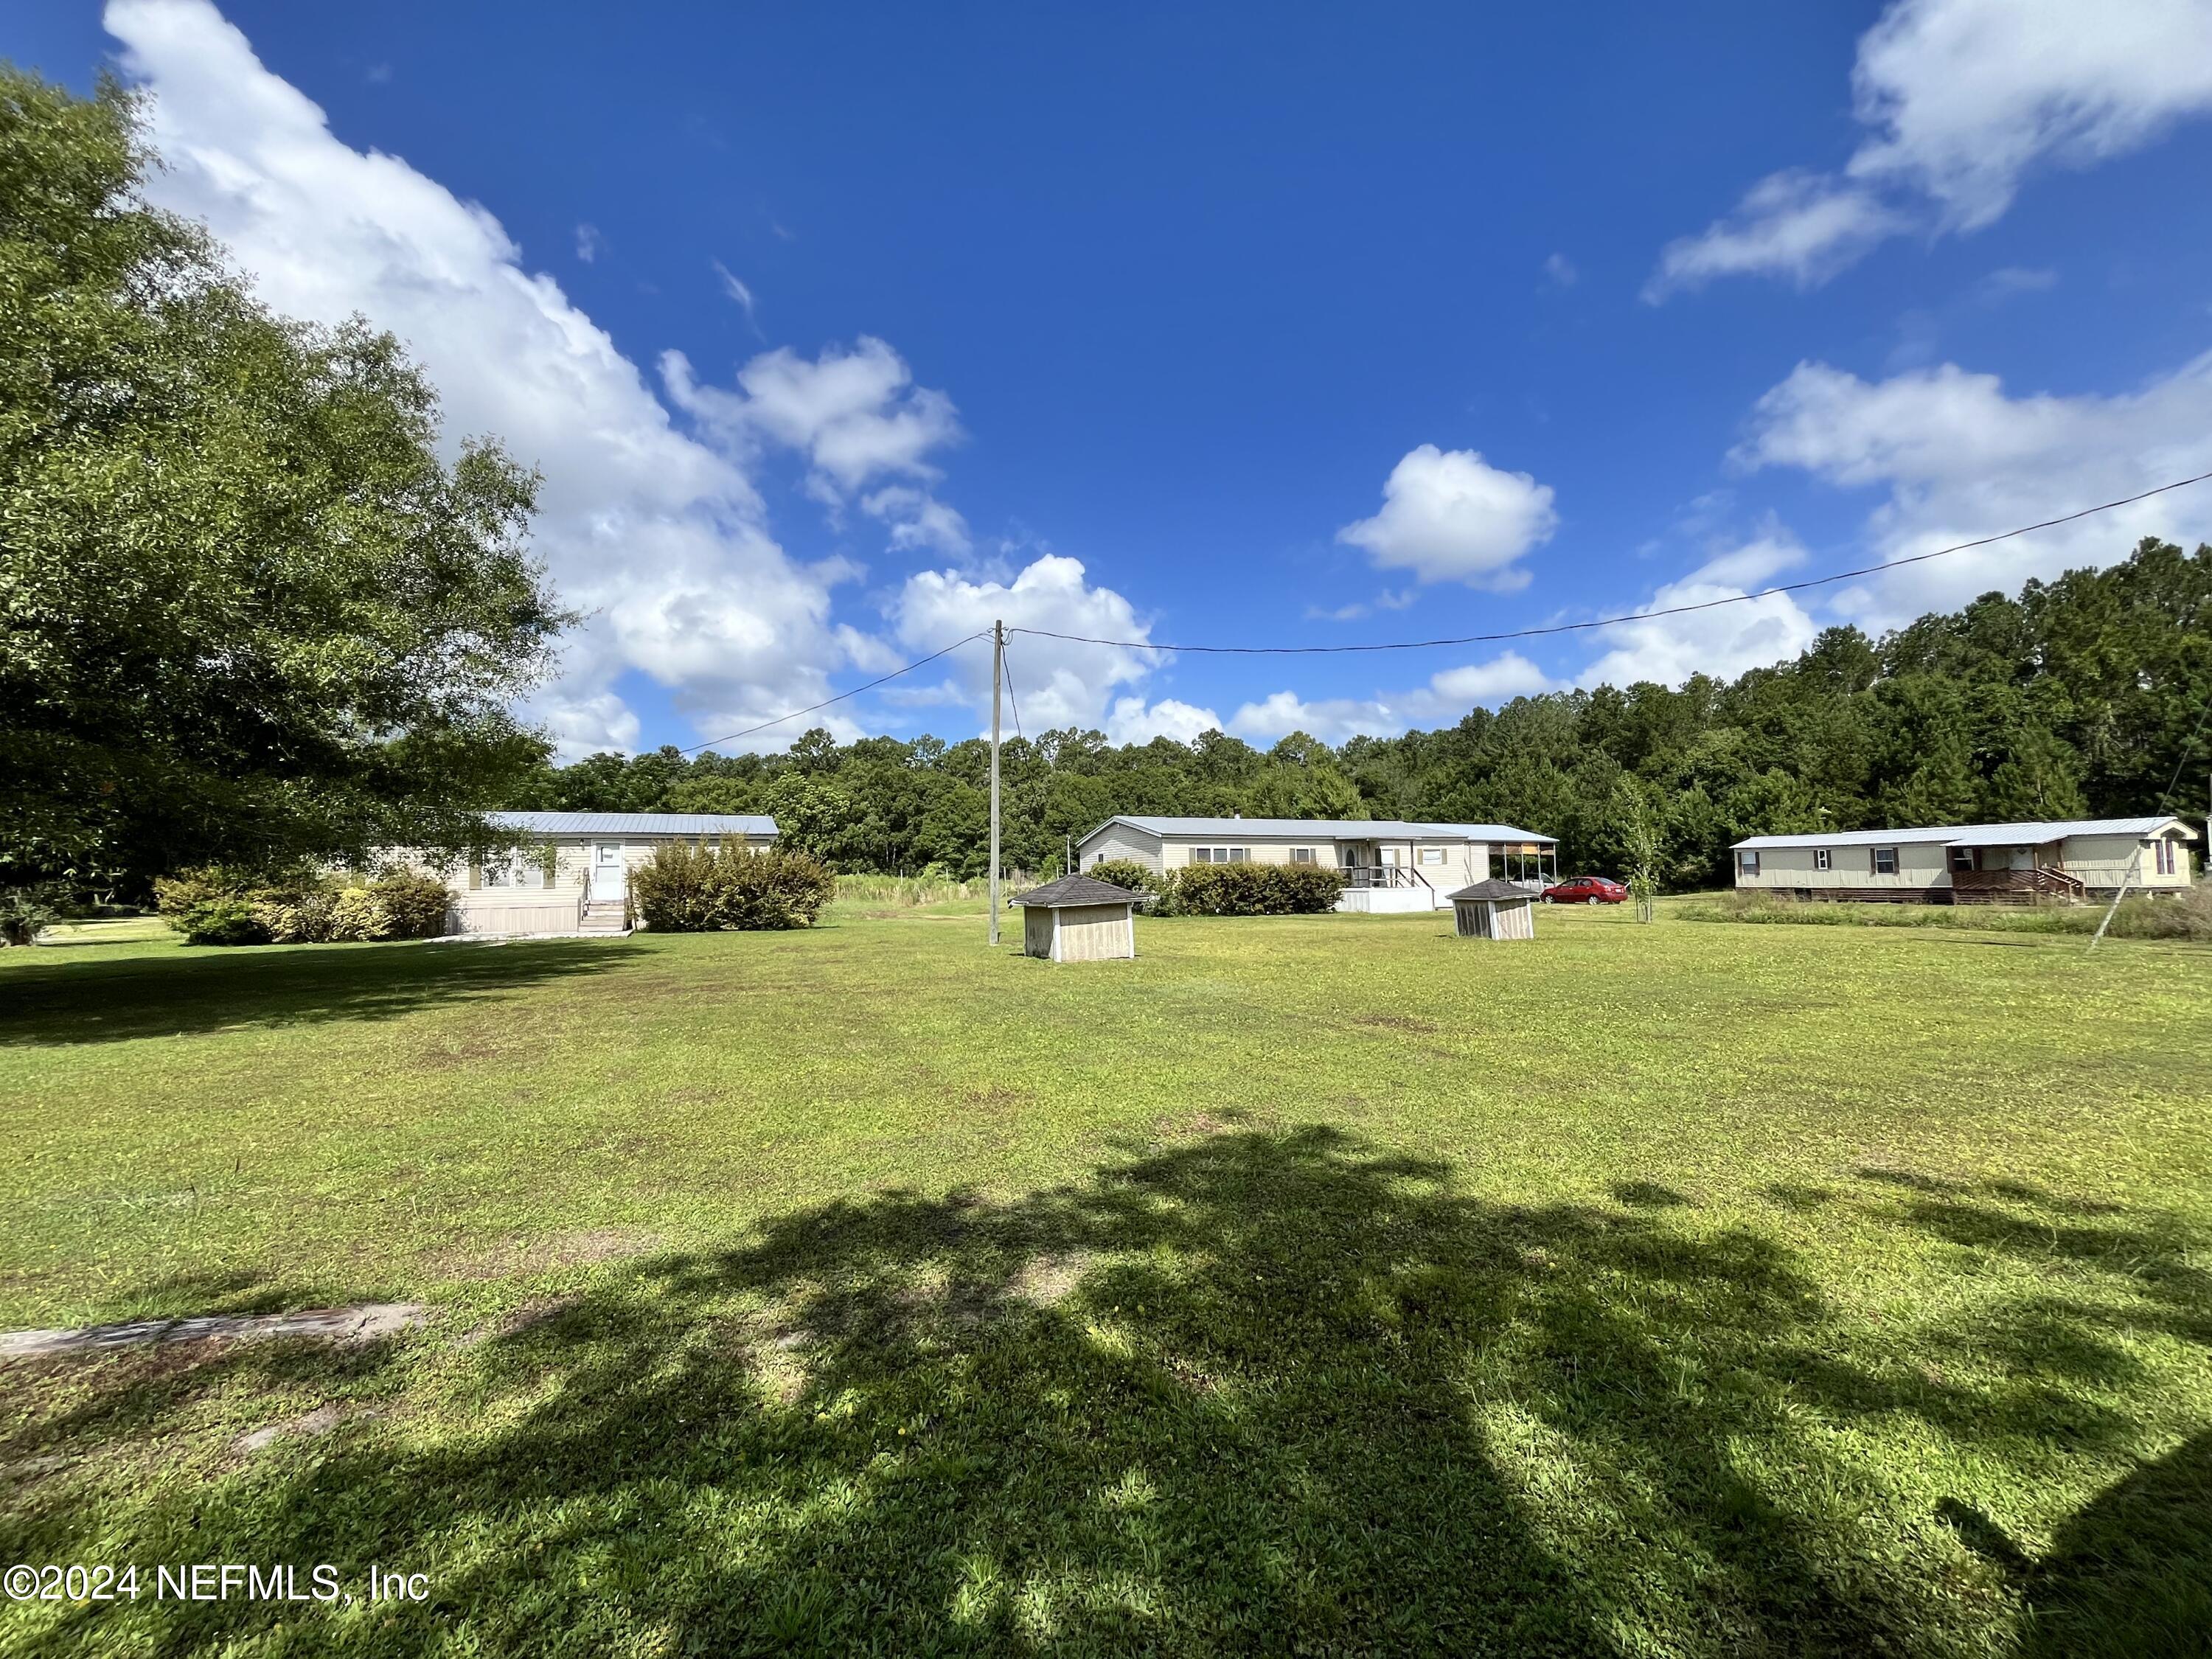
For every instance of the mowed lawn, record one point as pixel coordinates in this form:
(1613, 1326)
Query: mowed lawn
(1321, 1284)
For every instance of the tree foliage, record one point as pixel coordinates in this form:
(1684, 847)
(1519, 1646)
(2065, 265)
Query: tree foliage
(2079, 695)
(246, 612)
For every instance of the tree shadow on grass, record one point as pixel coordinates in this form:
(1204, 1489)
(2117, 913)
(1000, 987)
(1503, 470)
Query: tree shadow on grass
(2131, 1575)
(69, 1002)
(1256, 1392)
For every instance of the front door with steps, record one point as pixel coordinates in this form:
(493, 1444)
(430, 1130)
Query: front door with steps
(609, 882)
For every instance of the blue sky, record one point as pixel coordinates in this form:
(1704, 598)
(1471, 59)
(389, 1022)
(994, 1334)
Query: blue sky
(839, 331)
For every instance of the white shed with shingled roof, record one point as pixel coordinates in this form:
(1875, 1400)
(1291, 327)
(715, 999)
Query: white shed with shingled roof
(1079, 918)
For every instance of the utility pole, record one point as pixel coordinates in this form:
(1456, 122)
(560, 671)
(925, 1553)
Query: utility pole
(998, 680)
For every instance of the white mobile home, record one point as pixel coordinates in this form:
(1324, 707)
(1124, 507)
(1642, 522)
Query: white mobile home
(1387, 864)
(1974, 863)
(572, 874)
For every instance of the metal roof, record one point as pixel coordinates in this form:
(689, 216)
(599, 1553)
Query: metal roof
(1325, 829)
(1076, 889)
(635, 823)
(1975, 835)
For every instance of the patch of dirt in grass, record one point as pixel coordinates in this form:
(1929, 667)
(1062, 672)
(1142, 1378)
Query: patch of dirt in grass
(517, 1258)
(474, 1049)
(1196, 1126)
(1191, 1376)
(1048, 1280)
(997, 1094)
(1394, 1022)
(308, 1425)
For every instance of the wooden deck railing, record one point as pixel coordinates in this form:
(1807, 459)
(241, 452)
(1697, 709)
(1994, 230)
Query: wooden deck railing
(2013, 886)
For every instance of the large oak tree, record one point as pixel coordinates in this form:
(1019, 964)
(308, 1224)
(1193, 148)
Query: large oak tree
(247, 610)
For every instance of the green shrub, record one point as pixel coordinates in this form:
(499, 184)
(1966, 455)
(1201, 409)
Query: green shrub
(684, 888)
(1125, 872)
(177, 896)
(222, 918)
(775, 888)
(298, 906)
(296, 918)
(676, 889)
(26, 912)
(1252, 889)
(417, 905)
(357, 913)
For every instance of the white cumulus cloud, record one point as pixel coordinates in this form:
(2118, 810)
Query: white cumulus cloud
(1961, 101)
(1722, 641)
(1449, 515)
(1442, 701)
(656, 535)
(1057, 682)
(1132, 719)
(1960, 458)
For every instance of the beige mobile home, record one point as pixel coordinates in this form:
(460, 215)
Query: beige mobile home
(572, 874)
(1974, 863)
(1387, 864)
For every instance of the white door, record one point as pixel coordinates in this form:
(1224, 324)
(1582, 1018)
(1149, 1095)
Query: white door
(607, 871)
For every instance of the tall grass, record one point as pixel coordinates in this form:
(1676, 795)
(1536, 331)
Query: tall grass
(913, 892)
(2189, 917)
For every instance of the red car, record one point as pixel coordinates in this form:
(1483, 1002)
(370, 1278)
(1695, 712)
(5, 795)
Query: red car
(1586, 889)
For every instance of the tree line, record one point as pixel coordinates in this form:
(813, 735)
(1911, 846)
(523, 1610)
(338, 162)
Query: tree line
(251, 614)
(2077, 698)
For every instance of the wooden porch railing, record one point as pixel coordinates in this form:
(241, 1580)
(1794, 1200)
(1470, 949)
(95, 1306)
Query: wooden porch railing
(2015, 886)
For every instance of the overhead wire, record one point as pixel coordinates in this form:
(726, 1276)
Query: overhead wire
(1614, 621)
(884, 679)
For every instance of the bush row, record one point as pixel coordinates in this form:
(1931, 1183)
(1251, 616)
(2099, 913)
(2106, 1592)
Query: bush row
(218, 905)
(1229, 889)
(684, 888)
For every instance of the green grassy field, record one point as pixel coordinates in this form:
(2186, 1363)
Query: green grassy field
(1308, 1284)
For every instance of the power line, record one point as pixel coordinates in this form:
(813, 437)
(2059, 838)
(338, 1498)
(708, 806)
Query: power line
(1612, 622)
(885, 680)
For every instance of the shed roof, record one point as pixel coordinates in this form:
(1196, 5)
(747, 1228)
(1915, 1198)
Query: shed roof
(2035, 833)
(1326, 829)
(635, 824)
(1495, 891)
(1071, 891)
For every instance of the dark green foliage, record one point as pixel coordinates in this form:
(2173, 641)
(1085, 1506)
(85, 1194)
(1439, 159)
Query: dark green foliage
(2077, 698)
(24, 912)
(246, 608)
(684, 888)
(1254, 890)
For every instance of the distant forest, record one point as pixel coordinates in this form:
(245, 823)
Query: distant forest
(2076, 699)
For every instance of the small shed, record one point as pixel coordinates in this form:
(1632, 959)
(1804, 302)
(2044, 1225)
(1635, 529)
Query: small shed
(1079, 918)
(1494, 909)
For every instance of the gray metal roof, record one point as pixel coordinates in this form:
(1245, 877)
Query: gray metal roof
(1077, 890)
(2038, 834)
(635, 823)
(1324, 829)
(1495, 891)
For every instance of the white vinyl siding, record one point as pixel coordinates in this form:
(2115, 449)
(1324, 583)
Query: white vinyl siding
(1119, 841)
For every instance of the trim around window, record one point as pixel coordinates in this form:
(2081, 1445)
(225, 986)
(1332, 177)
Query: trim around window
(1882, 860)
(1823, 859)
(1747, 863)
